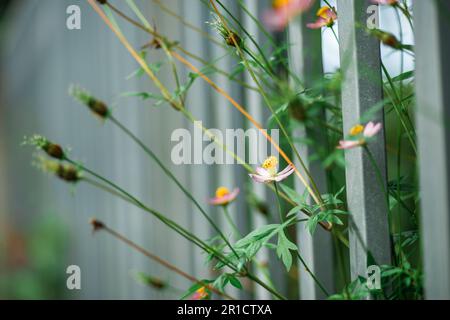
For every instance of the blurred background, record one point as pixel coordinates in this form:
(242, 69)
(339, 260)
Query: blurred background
(43, 221)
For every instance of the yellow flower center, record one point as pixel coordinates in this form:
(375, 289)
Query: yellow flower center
(222, 191)
(354, 131)
(202, 293)
(277, 4)
(270, 164)
(322, 12)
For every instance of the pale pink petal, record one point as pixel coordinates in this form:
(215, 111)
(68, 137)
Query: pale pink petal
(348, 144)
(277, 19)
(321, 22)
(258, 178)
(262, 172)
(283, 176)
(372, 129)
(289, 167)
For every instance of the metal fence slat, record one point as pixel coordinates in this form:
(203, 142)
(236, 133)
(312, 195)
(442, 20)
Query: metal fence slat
(361, 90)
(433, 133)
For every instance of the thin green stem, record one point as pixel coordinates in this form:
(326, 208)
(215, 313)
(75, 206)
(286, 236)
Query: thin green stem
(231, 222)
(401, 113)
(316, 280)
(169, 174)
(278, 202)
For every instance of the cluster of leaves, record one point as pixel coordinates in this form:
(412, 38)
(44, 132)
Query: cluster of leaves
(328, 211)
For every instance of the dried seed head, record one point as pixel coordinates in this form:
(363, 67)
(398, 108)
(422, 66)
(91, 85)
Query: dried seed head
(68, 173)
(40, 142)
(230, 37)
(233, 39)
(65, 172)
(54, 150)
(96, 224)
(297, 110)
(98, 107)
(156, 283)
(386, 38)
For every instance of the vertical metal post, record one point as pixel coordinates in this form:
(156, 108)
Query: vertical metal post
(362, 89)
(433, 132)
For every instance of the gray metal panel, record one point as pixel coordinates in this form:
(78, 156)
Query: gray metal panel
(305, 60)
(362, 89)
(433, 132)
(254, 104)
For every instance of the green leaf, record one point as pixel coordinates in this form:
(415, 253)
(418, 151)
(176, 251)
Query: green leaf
(294, 211)
(294, 196)
(259, 234)
(283, 249)
(235, 281)
(404, 76)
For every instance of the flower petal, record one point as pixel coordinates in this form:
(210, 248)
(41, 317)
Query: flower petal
(262, 172)
(281, 177)
(348, 144)
(372, 129)
(289, 167)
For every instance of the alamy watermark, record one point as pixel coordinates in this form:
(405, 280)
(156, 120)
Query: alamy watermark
(373, 277)
(229, 146)
(73, 281)
(373, 21)
(73, 21)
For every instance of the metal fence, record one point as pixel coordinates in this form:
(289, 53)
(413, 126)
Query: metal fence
(41, 59)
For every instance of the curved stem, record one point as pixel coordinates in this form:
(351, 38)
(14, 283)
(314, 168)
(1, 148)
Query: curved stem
(168, 173)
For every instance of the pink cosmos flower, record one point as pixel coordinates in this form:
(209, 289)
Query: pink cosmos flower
(283, 11)
(268, 172)
(326, 18)
(200, 294)
(224, 196)
(385, 2)
(361, 134)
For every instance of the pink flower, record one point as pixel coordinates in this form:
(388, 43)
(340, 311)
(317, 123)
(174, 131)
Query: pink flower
(268, 172)
(326, 18)
(200, 294)
(361, 134)
(283, 11)
(385, 2)
(224, 196)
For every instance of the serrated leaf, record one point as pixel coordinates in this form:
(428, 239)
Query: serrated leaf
(284, 247)
(294, 211)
